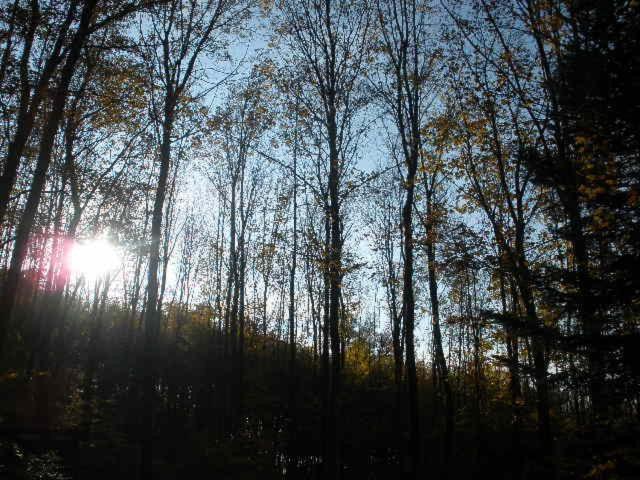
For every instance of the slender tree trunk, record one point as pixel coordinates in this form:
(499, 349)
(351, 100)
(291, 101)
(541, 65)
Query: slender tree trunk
(408, 313)
(152, 315)
(39, 355)
(293, 382)
(326, 372)
(239, 310)
(514, 374)
(591, 325)
(396, 326)
(334, 469)
(93, 356)
(440, 361)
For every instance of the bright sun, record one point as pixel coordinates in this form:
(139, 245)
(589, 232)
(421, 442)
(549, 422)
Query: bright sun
(93, 258)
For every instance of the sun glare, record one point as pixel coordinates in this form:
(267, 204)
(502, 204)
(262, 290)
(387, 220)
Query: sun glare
(93, 258)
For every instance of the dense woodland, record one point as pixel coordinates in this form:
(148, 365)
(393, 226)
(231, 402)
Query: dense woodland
(328, 239)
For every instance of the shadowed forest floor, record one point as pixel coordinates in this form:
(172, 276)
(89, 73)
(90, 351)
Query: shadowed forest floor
(53, 431)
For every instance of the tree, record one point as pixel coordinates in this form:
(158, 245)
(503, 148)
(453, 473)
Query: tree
(50, 129)
(178, 34)
(329, 42)
(405, 42)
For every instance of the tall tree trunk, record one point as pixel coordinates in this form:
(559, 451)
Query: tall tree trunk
(396, 337)
(238, 306)
(93, 355)
(152, 315)
(408, 313)
(326, 372)
(514, 372)
(440, 361)
(334, 469)
(293, 382)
